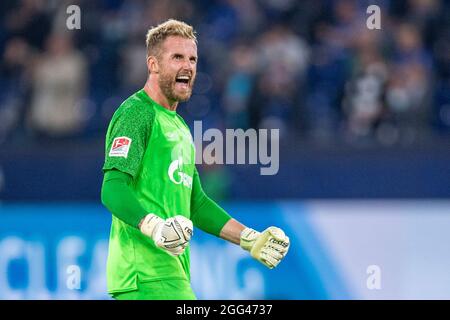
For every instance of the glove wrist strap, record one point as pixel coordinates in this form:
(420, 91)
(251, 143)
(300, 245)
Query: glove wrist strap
(248, 238)
(149, 224)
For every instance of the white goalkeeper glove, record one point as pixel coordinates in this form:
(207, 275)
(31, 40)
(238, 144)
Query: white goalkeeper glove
(172, 234)
(268, 247)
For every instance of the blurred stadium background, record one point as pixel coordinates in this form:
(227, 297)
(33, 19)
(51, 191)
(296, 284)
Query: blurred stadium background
(364, 119)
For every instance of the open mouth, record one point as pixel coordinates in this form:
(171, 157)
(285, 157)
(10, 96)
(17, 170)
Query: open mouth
(183, 79)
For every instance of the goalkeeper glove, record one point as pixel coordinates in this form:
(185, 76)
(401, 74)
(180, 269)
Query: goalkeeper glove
(268, 247)
(172, 234)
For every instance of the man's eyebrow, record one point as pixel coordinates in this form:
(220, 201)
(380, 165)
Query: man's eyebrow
(176, 54)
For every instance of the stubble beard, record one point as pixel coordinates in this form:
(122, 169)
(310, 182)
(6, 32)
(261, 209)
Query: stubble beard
(167, 85)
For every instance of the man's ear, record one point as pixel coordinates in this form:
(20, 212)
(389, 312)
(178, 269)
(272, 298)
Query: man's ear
(152, 64)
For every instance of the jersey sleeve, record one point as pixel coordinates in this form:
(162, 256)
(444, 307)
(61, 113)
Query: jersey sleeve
(127, 139)
(117, 196)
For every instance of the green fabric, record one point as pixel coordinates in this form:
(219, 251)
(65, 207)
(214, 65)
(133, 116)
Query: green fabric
(206, 214)
(160, 159)
(119, 199)
(133, 119)
(216, 182)
(159, 290)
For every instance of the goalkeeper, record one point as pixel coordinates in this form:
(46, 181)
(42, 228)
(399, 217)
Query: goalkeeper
(152, 187)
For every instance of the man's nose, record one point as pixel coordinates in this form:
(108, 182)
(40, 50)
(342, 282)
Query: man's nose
(187, 65)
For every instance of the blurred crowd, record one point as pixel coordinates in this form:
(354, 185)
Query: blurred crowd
(311, 68)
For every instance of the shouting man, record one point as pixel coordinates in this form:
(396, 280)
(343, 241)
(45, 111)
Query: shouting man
(152, 187)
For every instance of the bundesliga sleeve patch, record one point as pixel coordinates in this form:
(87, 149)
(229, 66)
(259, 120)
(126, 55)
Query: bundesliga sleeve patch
(120, 147)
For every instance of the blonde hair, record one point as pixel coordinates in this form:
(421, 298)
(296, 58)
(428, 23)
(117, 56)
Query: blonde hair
(157, 35)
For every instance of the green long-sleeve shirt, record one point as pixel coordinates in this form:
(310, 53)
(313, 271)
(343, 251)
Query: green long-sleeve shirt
(150, 168)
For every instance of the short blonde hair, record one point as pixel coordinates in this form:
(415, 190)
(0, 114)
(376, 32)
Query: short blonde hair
(157, 35)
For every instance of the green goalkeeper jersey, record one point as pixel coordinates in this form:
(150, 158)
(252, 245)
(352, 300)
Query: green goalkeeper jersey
(153, 145)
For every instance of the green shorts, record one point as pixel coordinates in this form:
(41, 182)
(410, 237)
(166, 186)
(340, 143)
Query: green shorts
(159, 290)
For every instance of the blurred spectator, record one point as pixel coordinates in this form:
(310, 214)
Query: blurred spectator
(29, 20)
(59, 84)
(282, 58)
(408, 89)
(348, 21)
(250, 16)
(327, 74)
(363, 102)
(14, 87)
(239, 86)
(133, 68)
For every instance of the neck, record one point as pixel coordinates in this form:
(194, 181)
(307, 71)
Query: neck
(153, 90)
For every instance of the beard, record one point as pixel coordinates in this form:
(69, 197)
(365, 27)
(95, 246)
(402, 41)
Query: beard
(167, 84)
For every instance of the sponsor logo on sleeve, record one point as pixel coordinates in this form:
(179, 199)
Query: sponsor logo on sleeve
(120, 147)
